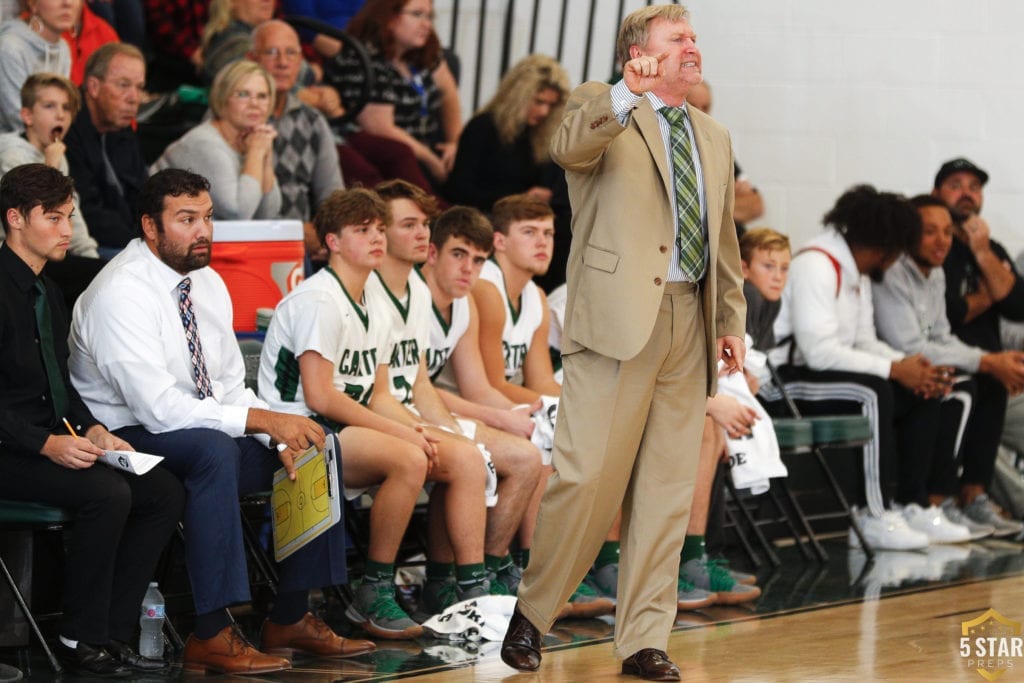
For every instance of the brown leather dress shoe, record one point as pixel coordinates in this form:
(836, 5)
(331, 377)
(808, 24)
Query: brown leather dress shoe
(651, 665)
(521, 647)
(311, 634)
(229, 652)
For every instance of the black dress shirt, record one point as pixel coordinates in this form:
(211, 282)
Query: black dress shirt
(962, 277)
(26, 413)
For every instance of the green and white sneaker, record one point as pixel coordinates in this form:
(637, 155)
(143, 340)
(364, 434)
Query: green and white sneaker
(436, 597)
(375, 609)
(605, 581)
(690, 597)
(506, 580)
(710, 575)
(585, 603)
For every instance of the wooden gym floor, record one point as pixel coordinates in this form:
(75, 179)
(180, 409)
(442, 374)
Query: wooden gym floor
(898, 618)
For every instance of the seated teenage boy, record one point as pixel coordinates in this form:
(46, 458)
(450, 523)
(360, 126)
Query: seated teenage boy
(320, 357)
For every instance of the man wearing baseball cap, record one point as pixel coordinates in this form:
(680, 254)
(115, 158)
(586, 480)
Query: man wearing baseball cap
(981, 282)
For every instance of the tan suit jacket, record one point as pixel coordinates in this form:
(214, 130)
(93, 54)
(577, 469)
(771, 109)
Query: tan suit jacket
(623, 226)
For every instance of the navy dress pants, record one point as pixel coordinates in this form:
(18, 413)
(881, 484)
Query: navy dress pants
(216, 469)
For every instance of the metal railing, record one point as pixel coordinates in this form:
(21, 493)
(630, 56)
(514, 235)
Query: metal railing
(489, 36)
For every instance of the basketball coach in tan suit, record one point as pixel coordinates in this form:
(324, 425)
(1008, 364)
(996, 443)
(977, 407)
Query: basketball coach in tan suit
(655, 299)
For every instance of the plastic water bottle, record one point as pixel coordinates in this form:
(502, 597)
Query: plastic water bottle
(151, 640)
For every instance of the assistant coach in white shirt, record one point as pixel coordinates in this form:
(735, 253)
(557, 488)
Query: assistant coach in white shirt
(154, 356)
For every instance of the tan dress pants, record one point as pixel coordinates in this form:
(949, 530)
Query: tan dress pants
(628, 433)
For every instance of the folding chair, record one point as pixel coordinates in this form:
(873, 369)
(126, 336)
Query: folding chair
(22, 516)
(828, 431)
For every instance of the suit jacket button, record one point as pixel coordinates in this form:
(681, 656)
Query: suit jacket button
(663, 249)
(657, 281)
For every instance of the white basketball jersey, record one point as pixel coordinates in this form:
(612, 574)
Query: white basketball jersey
(444, 337)
(519, 325)
(409, 322)
(319, 315)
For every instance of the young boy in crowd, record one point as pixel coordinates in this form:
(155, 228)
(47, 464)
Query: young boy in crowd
(49, 104)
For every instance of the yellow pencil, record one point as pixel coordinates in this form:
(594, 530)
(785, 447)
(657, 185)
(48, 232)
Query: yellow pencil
(70, 428)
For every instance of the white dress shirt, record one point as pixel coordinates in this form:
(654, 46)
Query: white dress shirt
(129, 358)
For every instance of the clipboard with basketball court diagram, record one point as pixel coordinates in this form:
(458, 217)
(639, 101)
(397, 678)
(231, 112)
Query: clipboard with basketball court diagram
(305, 508)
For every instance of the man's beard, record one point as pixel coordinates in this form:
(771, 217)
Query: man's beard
(187, 262)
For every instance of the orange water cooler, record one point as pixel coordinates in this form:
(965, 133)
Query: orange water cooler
(260, 262)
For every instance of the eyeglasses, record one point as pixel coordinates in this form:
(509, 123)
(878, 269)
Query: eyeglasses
(418, 14)
(289, 53)
(245, 96)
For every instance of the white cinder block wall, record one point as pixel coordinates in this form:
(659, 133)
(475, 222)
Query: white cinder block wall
(823, 94)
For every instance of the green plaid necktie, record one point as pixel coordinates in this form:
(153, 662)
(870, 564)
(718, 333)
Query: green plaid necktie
(690, 234)
(44, 325)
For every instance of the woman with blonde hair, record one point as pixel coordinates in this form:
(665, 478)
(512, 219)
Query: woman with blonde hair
(227, 36)
(234, 149)
(504, 148)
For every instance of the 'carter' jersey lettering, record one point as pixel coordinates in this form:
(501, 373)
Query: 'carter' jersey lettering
(409, 324)
(320, 316)
(444, 337)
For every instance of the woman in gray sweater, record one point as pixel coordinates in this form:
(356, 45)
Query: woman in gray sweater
(31, 45)
(235, 148)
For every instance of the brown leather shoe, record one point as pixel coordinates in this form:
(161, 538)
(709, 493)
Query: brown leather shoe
(651, 665)
(229, 652)
(311, 634)
(521, 647)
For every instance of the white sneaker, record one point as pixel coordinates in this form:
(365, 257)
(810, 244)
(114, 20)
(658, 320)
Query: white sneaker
(887, 532)
(934, 524)
(978, 530)
(982, 510)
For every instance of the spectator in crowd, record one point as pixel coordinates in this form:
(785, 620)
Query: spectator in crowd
(503, 150)
(305, 160)
(982, 284)
(127, 18)
(156, 359)
(765, 257)
(984, 292)
(121, 521)
(827, 335)
(48, 105)
(337, 13)
(103, 149)
(235, 147)
(88, 34)
(227, 36)
(910, 315)
(414, 98)
(749, 204)
(29, 45)
(319, 362)
(174, 29)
